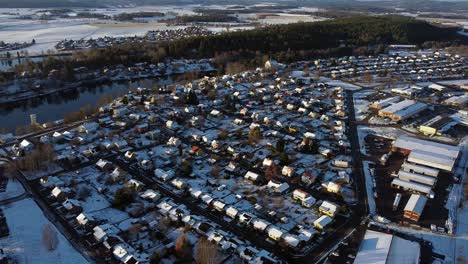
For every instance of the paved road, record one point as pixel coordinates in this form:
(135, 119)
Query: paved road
(360, 210)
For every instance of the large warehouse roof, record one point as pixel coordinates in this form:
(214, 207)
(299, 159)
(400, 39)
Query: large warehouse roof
(398, 106)
(432, 159)
(381, 248)
(416, 203)
(411, 143)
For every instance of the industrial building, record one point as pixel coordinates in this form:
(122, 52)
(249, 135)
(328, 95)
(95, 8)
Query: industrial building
(415, 206)
(420, 169)
(427, 153)
(415, 177)
(381, 248)
(402, 110)
(412, 186)
(385, 102)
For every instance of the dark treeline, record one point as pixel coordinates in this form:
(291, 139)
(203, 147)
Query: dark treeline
(206, 18)
(285, 42)
(131, 16)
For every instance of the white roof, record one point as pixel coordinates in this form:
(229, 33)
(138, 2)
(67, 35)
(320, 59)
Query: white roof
(219, 204)
(420, 169)
(415, 177)
(386, 101)
(416, 203)
(411, 143)
(231, 211)
(410, 110)
(83, 219)
(381, 248)
(398, 106)
(323, 221)
(260, 224)
(329, 206)
(275, 231)
(432, 159)
(251, 175)
(412, 185)
(291, 240)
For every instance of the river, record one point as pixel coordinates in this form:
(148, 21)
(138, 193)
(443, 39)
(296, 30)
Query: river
(54, 107)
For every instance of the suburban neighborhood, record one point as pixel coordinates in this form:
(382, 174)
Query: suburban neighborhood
(261, 164)
(229, 132)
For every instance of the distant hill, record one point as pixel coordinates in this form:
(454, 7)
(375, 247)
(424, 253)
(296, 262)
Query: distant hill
(345, 5)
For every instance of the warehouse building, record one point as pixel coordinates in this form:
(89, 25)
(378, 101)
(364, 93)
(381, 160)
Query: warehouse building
(461, 100)
(412, 186)
(427, 153)
(420, 169)
(381, 248)
(432, 159)
(415, 177)
(385, 102)
(402, 110)
(415, 207)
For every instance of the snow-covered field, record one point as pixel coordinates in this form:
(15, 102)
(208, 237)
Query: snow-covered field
(50, 33)
(338, 83)
(26, 221)
(361, 106)
(13, 189)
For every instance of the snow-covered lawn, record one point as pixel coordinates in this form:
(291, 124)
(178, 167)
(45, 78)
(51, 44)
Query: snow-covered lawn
(13, 189)
(338, 83)
(24, 243)
(361, 106)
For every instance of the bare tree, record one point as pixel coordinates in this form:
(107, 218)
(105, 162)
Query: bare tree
(182, 246)
(215, 171)
(83, 193)
(272, 171)
(49, 237)
(206, 252)
(367, 77)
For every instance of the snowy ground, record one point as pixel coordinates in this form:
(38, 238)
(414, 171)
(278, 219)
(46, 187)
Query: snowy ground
(361, 106)
(386, 132)
(49, 33)
(338, 83)
(369, 189)
(26, 221)
(13, 189)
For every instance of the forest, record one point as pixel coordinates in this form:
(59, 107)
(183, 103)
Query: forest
(357, 35)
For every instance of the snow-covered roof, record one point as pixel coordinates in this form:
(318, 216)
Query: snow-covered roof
(432, 159)
(275, 232)
(323, 221)
(412, 186)
(260, 224)
(420, 169)
(411, 143)
(416, 204)
(381, 248)
(374, 248)
(291, 240)
(415, 177)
